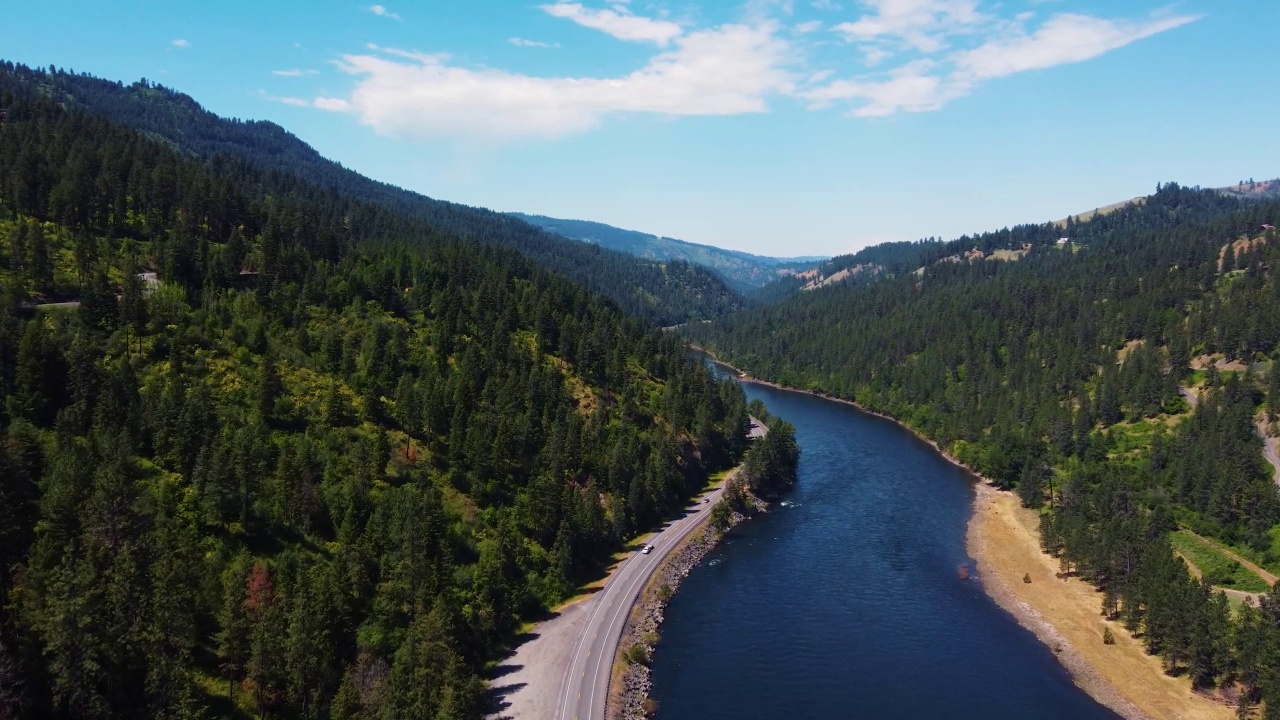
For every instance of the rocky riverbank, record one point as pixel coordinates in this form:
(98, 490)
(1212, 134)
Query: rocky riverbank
(629, 694)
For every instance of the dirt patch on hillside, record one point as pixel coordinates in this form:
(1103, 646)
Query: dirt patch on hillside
(1010, 255)
(1219, 361)
(1123, 353)
(841, 275)
(1086, 216)
(1243, 245)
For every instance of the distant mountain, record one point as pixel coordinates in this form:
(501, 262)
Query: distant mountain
(666, 293)
(743, 271)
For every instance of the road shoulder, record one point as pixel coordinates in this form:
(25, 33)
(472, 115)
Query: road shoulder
(630, 685)
(527, 684)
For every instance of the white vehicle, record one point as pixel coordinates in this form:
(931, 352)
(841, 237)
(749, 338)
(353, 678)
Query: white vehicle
(646, 550)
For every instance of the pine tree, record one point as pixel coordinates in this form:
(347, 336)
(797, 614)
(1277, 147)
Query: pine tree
(1031, 486)
(269, 386)
(41, 263)
(133, 307)
(1273, 391)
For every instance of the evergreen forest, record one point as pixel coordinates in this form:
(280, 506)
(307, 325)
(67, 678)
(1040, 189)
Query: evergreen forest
(667, 292)
(271, 447)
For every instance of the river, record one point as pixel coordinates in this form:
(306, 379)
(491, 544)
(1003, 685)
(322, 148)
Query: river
(847, 601)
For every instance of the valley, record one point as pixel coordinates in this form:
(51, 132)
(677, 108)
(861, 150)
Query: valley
(279, 439)
(743, 272)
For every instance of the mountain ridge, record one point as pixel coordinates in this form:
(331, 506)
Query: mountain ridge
(666, 294)
(1009, 244)
(744, 271)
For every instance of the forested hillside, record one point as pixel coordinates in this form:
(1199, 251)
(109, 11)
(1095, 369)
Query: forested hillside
(1009, 244)
(666, 293)
(295, 454)
(743, 271)
(1061, 375)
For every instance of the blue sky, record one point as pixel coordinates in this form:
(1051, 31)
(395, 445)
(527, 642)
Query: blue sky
(781, 128)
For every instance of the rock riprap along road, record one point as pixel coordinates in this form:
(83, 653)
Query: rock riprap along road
(585, 688)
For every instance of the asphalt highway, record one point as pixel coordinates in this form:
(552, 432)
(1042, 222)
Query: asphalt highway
(585, 687)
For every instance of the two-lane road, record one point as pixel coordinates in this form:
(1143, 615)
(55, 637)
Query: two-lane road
(585, 688)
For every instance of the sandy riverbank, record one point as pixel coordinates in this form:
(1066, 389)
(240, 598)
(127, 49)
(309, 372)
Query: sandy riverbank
(1066, 616)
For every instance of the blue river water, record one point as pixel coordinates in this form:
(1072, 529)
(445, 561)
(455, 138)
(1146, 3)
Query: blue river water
(846, 600)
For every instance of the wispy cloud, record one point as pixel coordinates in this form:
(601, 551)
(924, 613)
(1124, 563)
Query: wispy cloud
(294, 72)
(382, 11)
(911, 88)
(180, 43)
(899, 56)
(939, 74)
(1063, 39)
(331, 104)
(727, 70)
(319, 103)
(618, 22)
(521, 42)
(919, 24)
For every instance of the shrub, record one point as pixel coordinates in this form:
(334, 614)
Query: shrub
(636, 655)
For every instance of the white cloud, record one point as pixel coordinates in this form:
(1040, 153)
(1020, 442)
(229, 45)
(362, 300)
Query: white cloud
(382, 11)
(819, 76)
(332, 104)
(180, 43)
(918, 24)
(911, 88)
(294, 72)
(873, 55)
(727, 70)
(618, 22)
(1061, 40)
(521, 42)
(825, 5)
(297, 102)
(929, 83)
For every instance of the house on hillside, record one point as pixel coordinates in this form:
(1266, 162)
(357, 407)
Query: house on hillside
(1268, 227)
(1063, 241)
